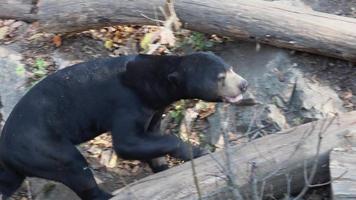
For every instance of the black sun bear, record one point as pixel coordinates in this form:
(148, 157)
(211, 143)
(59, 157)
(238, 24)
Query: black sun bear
(124, 95)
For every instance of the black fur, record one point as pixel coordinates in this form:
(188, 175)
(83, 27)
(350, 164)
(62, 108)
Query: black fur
(124, 95)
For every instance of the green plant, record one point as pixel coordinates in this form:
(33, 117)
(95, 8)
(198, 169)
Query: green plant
(199, 41)
(39, 67)
(20, 70)
(39, 70)
(177, 112)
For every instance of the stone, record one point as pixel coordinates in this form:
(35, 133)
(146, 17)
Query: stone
(286, 95)
(43, 189)
(12, 86)
(78, 49)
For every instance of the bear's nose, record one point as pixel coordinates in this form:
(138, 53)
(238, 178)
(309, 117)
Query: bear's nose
(243, 86)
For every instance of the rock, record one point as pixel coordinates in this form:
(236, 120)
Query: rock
(276, 117)
(214, 135)
(286, 95)
(78, 49)
(12, 85)
(43, 189)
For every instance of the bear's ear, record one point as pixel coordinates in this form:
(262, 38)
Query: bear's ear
(174, 78)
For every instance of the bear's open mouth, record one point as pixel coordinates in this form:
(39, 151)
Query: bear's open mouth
(234, 99)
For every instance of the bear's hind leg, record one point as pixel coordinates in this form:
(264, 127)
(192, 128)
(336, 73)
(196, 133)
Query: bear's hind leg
(65, 164)
(82, 182)
(9, 183)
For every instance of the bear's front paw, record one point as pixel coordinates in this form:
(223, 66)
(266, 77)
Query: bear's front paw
(186, 152)
(198, 151)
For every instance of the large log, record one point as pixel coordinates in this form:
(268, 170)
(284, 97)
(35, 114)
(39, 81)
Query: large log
(17, 9)
(266, 22)
(272, 23)
(343, 173)
(275, 156)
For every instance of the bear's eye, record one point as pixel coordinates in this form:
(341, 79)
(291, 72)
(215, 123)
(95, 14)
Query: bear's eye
(221, 76)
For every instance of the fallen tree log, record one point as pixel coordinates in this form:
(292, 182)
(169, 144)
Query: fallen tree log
(17, 9)
(274, 160)
(343, 173)
(267, 22)
(272, 23)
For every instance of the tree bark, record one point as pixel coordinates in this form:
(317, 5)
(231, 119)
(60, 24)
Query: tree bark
(17, 9)
(267, 22)
(272, 159)
(343, 173)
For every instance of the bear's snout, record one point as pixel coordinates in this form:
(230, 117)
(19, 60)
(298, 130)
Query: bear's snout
(243, 86)
(233, 87)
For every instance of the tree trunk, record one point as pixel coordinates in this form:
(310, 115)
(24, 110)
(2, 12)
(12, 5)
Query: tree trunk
(275, 158)
(266, 22)
(343, 173)
(272, 23)
(17, 9)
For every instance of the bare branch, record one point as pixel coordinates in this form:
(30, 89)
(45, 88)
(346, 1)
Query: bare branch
(329, 182)
(187, 121)
(316, 160)
(253, 180)
(229, 172)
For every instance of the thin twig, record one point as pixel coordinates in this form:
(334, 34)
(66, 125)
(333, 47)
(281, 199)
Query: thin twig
(222, 168)
(262, 190)
(316, 160)
(253, 180)
(195, 177)
(329, 182)
(229, 172)
(154, 20)
(297, 147)
(187, 124)
(289, 184)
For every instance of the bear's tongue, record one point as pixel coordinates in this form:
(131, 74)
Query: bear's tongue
(234, 99)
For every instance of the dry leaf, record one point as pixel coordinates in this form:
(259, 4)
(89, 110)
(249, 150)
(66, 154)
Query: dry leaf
(8, 22)
(3, 32)
(348, 105)
(127, 167)
(346, 95)
(205, 109)
(57, 40)
(113, 161)
(94, 150)
(105, 157)
(108, 44)
(135, 162)
(102, 142)
(16, 24)
(135, 169)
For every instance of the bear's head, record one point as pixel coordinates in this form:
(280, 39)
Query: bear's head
(161, 80)
(207, 77)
